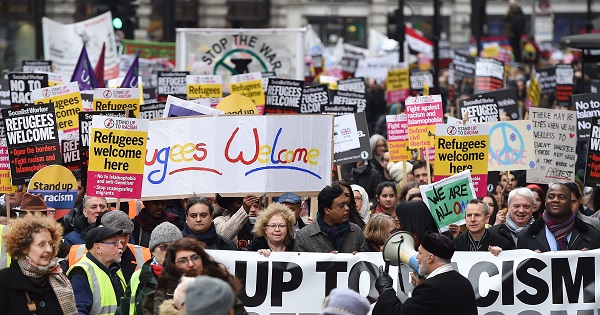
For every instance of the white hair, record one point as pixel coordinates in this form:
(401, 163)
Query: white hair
(522, 191)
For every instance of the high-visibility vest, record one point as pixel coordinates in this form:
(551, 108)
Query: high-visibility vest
(133, 285)
(4, 257)
(104, 297)
(142, 254)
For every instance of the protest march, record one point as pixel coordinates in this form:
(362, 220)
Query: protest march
(253, 173)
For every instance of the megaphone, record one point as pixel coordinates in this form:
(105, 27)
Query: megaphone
(400, 248)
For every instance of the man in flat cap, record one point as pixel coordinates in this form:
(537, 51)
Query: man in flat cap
(97, 279)
(443, 291)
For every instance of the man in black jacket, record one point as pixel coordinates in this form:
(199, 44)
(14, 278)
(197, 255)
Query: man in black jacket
(518, 216)
(199, 224)
(559, 228)
(478, 238)
(444, 291)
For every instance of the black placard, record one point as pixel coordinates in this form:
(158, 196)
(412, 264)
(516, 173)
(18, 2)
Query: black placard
(37, 65)
(489, 75)
(352, 85)
(313, 97)
(479, 110)
(283, 96)
(418, 79)
(171, 83)
(4, 94)
(564, 84)
(361, 153)
(348, 98)
(547, 79)
(21, 85)
(507, 102)
(152, 110)
(587, 106)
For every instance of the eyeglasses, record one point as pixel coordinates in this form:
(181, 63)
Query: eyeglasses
(275, 226)
(44, 245)
(116, 243)
(163, 247)
(186, 260)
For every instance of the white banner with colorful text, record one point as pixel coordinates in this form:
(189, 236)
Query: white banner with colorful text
(515, 282)
(238, 154)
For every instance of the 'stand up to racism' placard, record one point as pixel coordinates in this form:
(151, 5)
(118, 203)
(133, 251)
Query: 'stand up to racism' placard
(463, 147)
(117, 150)
(32, 139)
(67, 103)
(555, 139)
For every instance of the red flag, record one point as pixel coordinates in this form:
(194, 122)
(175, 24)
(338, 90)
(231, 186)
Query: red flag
(99, 69)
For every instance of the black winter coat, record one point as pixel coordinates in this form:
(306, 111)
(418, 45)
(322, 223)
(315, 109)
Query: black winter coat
(14, 284)
(583, 236)
(462, 242)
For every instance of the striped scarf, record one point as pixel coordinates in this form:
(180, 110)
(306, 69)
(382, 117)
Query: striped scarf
(476, 245)
(58, 281)
(560, 229)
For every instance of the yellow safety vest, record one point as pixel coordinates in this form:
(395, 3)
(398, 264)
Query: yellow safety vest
(142, 254)
(133, 285)
(104, 297)
(4, 257)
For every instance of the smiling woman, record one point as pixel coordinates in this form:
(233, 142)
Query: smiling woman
(34, 279)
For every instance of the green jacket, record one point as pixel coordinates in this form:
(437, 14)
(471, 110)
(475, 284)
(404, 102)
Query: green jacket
(142, 282)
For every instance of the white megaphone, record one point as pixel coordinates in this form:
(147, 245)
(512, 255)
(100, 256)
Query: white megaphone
(400, 248)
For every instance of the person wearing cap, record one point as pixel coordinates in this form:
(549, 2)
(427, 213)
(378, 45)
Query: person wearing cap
(443, 291)
(478, 238)
(154, 213)
(559, 228)
(331, 231)
(92, 208)
(293, 202)
(97, 279)
(345, 302)
(209, 295)
(144, 280)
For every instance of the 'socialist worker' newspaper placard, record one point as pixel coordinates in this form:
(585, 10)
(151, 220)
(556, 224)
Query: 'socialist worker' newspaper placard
(117, 150)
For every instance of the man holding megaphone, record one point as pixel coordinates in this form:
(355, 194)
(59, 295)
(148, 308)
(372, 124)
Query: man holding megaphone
(443, 291)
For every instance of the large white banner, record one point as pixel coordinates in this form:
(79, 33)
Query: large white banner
(211, 51)
(63, 43)
(516, 282)
(238, 154)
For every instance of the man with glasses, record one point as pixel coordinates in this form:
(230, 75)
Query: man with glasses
(144, 280)
(520, 212)
(559, 228)
(92, 208)
(97, 279)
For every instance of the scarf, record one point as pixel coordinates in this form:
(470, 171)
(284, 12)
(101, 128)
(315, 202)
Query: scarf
(207, 237)
(335, 233)
(560, 229)
(148, 223)
(58, 281)
(474, 245)
(513, 227)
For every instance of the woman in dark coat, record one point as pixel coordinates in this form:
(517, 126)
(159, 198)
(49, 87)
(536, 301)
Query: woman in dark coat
(274, 230)
(34, 283)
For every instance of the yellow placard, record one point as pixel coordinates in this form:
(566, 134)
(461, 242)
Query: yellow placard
(397, 80)
(471, 155)
(420, 136)
(6, 186)
(425, 90)
(118, 99)
(399, 151)
(236, 104)
(67, 108)
(204, 91)
(105, 156)
(250, 89)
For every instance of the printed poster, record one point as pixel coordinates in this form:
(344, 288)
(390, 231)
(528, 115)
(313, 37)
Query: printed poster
(58, 187)
(171, 83)
(22, 84)
(360, 152)
(423, 113)
(117, 150)
(283, 96)
(313, 97)
(118, 99)
(479, 110)
(397, 130)
(592, 168)
(397, 85)
(249, 85)
(204, 86)
(67, 103)
(587, 106)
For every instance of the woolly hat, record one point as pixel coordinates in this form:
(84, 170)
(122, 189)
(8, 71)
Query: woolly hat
(164, 233)
(345, 302)
(439, 245)
(396, 170)
(208, 295)
(117, 219)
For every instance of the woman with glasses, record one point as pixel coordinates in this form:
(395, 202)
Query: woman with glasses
(144, 280)
(187, 257)
(34, 282)
(274, 230)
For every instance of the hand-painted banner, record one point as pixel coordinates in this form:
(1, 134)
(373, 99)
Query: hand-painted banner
(116, 166)
(238, 154)
(234, 51)
(32, 139)
(462, 147)
(63, 42)
(423, 113)
(515, 282)
(448, 198)
(555, 140)
(397, 130)
(511, 146)
(67, 103)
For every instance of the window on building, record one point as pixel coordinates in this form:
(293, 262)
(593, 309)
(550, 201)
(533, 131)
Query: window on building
(330, 28)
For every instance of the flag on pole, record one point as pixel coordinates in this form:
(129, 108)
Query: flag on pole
(131, 78)
(418, 42)
(84, 74)
(99, 69)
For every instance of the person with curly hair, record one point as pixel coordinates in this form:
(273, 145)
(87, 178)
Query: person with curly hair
(274, 229)
(34, 282)
(187, 257)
